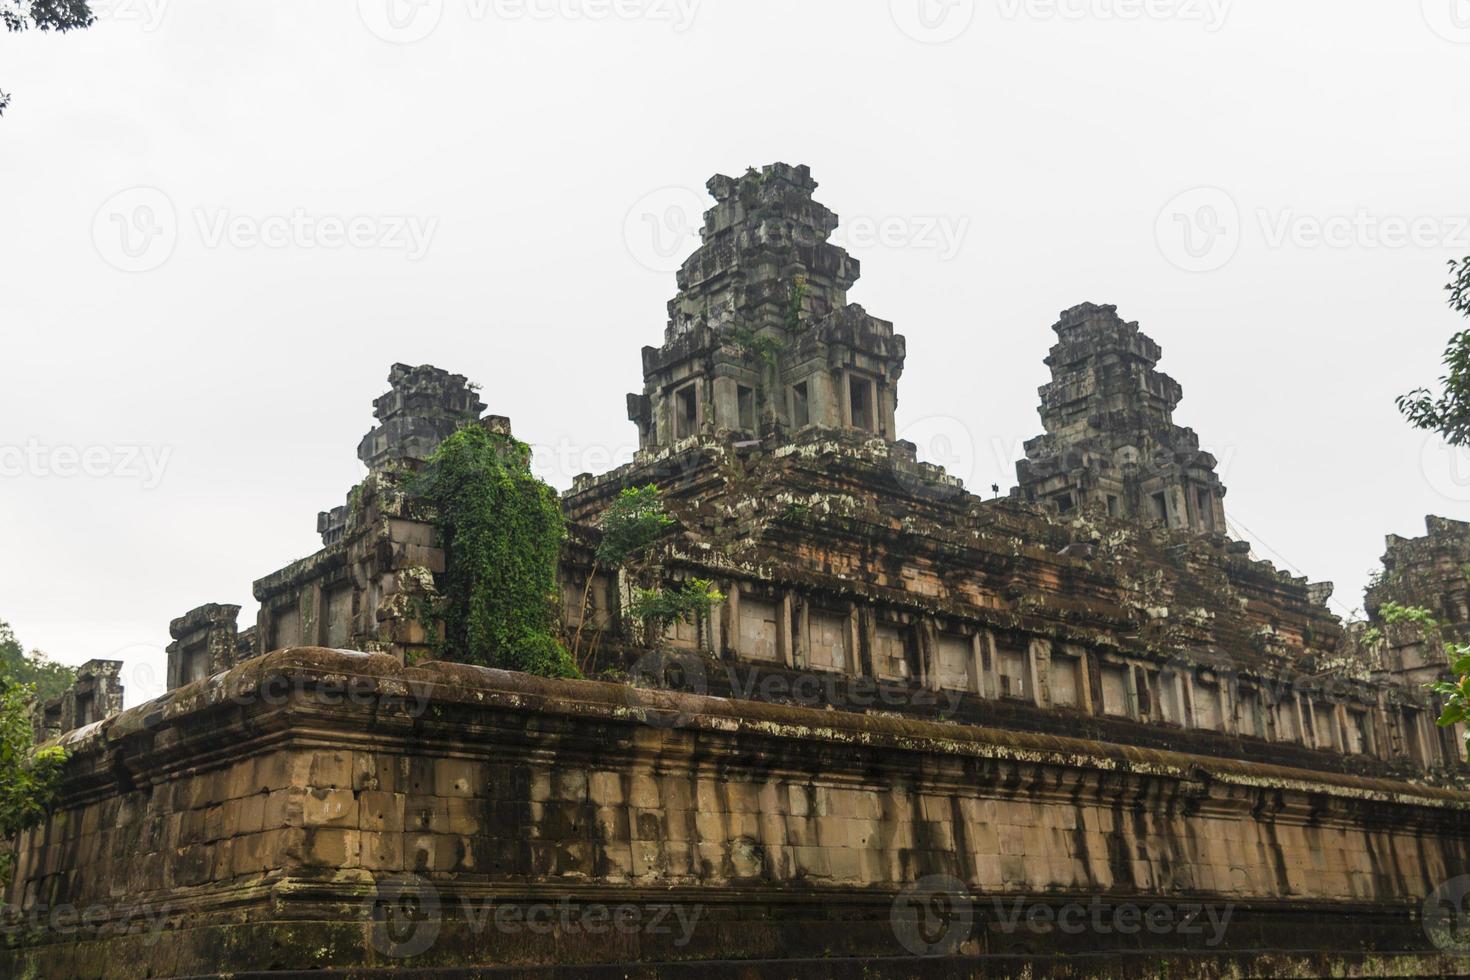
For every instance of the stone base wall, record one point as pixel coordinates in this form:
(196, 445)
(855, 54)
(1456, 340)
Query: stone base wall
(313, 808)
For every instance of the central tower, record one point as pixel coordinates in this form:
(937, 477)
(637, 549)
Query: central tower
(761, 339)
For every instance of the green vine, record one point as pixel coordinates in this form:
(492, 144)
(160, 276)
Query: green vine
(1456, 693)
(28, 776)
(501, 529)
(794, 310)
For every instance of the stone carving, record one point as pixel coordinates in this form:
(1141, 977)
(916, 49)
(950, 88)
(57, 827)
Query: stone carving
(1083, 688)
(1111, 442)
(761, 337)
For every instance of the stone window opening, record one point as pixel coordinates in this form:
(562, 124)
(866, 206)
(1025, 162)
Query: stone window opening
(953, 661)
(195, 664)
(1117, 693)
(1112, 506)
(1065, 680)
(1359, 733)
(745, 407)
(1170, 711)
(84, 708)
(686, 412)
(1206, 509)
(800, 408)
(1161, 508)
(1208, 707)
(1013, 669)
(860, 404)
(1249, 719)
(1064, 503)
(1413, 744)
(826, 639)
(1286, 720)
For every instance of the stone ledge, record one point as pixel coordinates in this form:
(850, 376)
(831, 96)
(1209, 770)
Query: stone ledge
(488, 687)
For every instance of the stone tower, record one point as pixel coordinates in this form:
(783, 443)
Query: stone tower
(423, 406)
(761, 338)
(1110, 440)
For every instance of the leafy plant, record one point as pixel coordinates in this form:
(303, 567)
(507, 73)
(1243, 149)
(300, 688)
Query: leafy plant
(43, 15)
(502, 530)
(630, 526)
(633, 522)
(1456, 693)
(1448, 413)
(660, 608)
(48, 678)
(793, 312)
(28, 776)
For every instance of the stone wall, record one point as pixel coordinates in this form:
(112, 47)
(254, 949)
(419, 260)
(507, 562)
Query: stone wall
(96, 694)
(261, 816)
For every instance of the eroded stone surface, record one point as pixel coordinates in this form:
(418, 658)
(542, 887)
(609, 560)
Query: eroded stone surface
(1085, 688)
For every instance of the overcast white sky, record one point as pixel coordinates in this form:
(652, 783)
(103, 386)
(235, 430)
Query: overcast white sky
(523, 170)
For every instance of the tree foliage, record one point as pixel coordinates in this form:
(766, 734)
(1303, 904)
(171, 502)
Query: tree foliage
(502, 530)
(1448, 413)
(631, 524)
(661, 608)
(44, 15)
(1457, 693)
(28, 776)
(35, 669)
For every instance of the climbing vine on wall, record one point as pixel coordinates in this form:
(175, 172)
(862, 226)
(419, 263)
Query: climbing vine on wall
(502, 530)
(1456, 693)
(27, 776)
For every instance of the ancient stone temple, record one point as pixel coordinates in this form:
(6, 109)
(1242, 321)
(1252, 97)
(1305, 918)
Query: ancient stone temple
(761, 338)
(1110, 440)
(920, 734)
